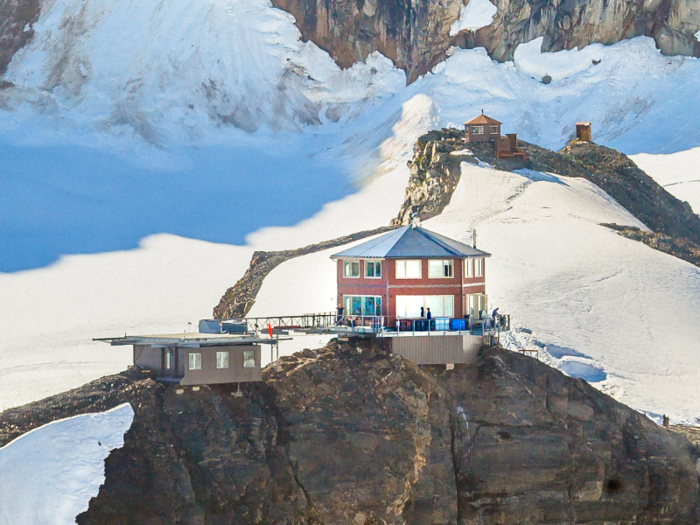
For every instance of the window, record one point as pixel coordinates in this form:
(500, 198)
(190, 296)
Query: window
(408, 269)
(195, 361)
(476, 305)
(493, 130)
(221, 359)
(469, 267)
(351, 268)
(440, 305)
(478, 267)
(248, 358)
(373, 270)
(438, 268)
(478, 130)
(369, 305)
(168, 359)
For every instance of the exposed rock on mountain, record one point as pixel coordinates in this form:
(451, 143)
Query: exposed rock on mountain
(681, 248)
(435, 174)
(565, 25)
(416, 35)
(348, 434)
(240, 298)
(16, 19)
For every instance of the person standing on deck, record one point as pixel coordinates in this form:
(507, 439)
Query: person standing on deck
(422, 312)
(339, 316)
(429, 315)
(494, 317)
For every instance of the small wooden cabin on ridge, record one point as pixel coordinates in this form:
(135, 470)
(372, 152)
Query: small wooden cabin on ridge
(405, 272)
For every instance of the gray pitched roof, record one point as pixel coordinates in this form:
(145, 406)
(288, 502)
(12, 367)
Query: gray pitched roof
(410, 241)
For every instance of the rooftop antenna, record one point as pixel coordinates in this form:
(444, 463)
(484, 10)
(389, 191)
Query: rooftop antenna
(474, 238)
(415, 220)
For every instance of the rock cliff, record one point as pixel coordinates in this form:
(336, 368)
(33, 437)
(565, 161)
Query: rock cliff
(416, 35)
(349, 435)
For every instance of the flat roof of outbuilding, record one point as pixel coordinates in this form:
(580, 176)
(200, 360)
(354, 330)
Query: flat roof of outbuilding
(191, 339)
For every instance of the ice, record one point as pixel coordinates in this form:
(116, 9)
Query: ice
(50, 474)
(475, 15)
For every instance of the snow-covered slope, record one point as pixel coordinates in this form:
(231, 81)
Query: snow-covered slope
(50, 474)
(678, 173)
(605, 308)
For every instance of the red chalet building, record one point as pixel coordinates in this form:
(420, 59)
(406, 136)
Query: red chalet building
(403, 273)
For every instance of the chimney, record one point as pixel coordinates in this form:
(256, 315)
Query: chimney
(415, 220)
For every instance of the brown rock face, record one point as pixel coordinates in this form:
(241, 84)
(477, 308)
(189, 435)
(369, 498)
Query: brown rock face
(349, 435)
(577, 23)
(16, 19)
(416, 34)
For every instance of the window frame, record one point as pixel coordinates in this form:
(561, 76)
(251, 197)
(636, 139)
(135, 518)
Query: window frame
(493, 130)
(247, 359)
(479, 267)
(349, 263)
(468, 268)
(426, 300)
(195, 357)
(405, 267)
(376, 265)
(443, 264)
(477, 130)
(347, 304)
(219, 361)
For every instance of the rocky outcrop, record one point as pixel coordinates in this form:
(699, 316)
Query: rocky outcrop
(435, 173)
(16, 20)
(416, 35)
(681, 248)
(350, 435)
(649, 202)
(240, 298)
(577, 23)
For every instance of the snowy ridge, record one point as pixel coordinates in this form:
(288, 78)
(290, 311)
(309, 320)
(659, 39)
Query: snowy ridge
(590, 299)
(50, 474)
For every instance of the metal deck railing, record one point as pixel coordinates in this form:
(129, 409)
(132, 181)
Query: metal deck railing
(331, 322)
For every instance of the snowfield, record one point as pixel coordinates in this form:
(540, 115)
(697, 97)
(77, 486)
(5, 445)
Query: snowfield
(678, 173)
(599, 306)
(50, 474)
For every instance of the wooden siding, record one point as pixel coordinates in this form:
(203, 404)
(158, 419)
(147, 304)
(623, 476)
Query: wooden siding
(437, 349)
(148, 358)
(210, 375)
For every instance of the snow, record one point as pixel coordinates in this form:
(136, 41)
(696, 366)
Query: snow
(475, 15)
(50, 474)
(604, 308)
(530, 60)
(697, 36)
(678, 173)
